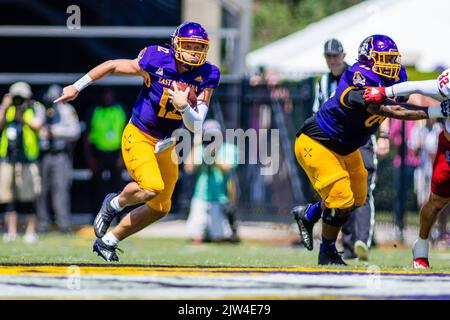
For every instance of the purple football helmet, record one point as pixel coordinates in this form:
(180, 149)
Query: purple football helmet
(191, 32)
(380, 53)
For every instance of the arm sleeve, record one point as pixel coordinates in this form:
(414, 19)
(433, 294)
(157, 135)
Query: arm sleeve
(193, 120)
(428, 88)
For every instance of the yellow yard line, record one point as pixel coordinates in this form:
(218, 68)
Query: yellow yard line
(177, 271)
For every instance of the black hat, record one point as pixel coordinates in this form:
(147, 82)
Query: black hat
(333, 46)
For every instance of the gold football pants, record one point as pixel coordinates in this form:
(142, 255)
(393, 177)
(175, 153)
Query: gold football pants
(154, 172)
(341, 181)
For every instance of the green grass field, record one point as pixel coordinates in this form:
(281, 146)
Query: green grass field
(75, 249)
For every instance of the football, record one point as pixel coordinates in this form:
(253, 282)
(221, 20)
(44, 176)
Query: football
(192, 97)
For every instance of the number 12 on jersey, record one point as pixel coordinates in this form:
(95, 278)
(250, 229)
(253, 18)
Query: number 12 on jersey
(163, 112)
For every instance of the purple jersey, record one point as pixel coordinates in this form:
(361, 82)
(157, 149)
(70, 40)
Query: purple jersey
(152, 112)
(349, 126)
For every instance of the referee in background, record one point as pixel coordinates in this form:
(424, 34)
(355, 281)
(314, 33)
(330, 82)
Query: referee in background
(358, 231)
(327, 84)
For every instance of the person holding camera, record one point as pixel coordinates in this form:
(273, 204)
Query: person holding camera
(60, 131)
(21, 118)
(212, 163)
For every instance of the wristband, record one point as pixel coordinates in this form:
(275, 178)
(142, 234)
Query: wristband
(83, 82)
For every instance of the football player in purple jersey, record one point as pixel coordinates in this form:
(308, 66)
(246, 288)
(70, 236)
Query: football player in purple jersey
(327, 145)
(160, 109)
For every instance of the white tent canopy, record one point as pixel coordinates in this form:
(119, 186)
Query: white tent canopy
(419, 27)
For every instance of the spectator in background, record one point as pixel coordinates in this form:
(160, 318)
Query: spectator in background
(20, 120)
(212, 163)
(412, 161)
(102, 147)
(60, 130)
(424, 140)
(326, 85)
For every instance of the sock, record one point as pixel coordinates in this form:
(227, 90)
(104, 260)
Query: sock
(110, 239)
(314, 212)
(327, 245)
(420, 249)
(115, 204)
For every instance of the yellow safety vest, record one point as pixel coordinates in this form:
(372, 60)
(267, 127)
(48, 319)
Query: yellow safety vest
(30, 139)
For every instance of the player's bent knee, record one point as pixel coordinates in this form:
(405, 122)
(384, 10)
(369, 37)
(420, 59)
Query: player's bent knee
(435, 208)
(149, 194)
(159, 214)
(360, 201)
(162, 207)
(340, 196)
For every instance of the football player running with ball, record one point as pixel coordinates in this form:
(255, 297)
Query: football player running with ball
(438, 89)
(160, 109)
(327, 145)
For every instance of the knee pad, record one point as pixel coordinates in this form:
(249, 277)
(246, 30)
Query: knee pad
(334, 218)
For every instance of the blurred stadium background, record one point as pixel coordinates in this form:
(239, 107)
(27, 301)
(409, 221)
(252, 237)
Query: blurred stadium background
(38, 48)
(52, 53)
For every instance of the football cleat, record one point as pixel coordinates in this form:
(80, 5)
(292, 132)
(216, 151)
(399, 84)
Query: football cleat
(331, 257)
(304, 225)
(421, 263)
(105, 216)
(105, 251)
(361, 250)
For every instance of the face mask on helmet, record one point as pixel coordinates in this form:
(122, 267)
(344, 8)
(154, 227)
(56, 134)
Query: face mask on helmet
(381, 54)
(386, 64)
(190, 44)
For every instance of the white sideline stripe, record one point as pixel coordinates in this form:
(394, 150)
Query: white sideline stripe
(258, 286)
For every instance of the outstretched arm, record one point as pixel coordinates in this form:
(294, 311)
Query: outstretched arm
(407, 111)
(428, 88)
(118, 66)
(392, 109)
(438, 89)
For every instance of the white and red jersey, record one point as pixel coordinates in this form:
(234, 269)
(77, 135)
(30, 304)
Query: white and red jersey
(440, 181)
(443, 82)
